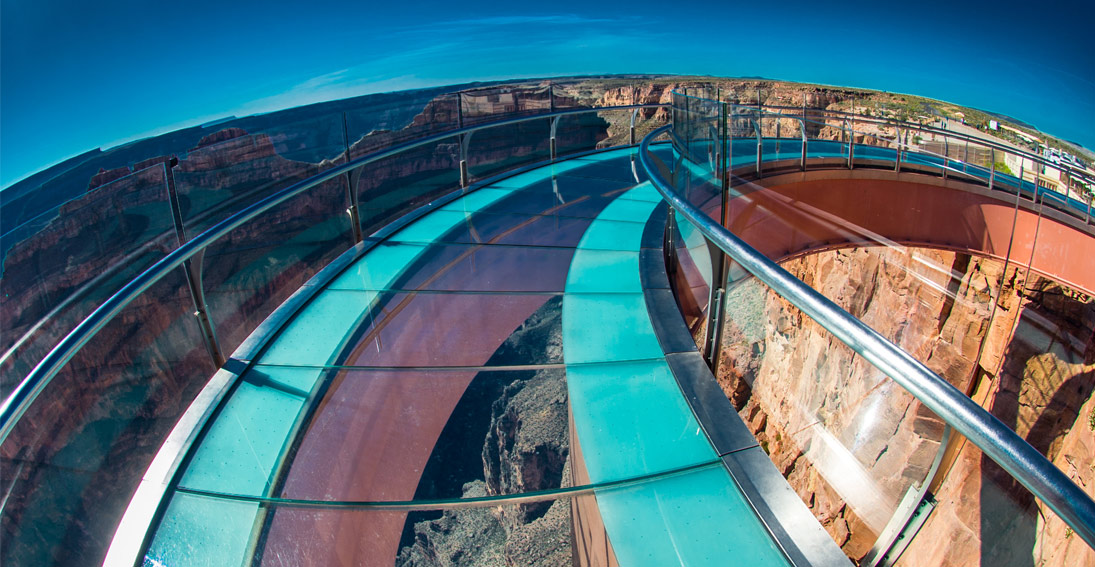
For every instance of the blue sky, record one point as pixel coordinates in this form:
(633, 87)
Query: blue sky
(79, 75)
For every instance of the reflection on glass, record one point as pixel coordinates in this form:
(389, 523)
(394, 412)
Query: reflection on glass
(253, 269)
(96, 427)
(93, 246)
(850, 441)
(235, 166)
(494, 150)
(393, 186)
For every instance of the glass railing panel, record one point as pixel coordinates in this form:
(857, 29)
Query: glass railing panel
(500, 148)
(232, 168)
(849, 440)
(692, 275)
(979, 515)
(72, 461)
(699, 140)
(588, 131)
(494, 103)
(254, 268)
(827, 137)
(567, 95)
(1004, 177)
(95, 244)
(875, 144)
(404, 118)
(1059, 191)
(391, 187)
(784, 138)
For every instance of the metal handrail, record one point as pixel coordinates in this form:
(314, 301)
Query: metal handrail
(1081, 211)
(911, 126)
(990, 144)
(35, 381)
(1022, 461)
(1080, 208)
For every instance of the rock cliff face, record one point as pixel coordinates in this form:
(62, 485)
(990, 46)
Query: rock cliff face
(1042, 388)
(852, 442)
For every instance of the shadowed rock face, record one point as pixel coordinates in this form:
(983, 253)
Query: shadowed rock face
(1023, 346)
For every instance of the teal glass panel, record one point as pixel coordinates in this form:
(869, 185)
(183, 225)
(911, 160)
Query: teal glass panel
(698, 518)
(322, 329)
(604, 271)
(379, 267)
(606, 327)
(203, 532)
(631, 420)
(240, 451)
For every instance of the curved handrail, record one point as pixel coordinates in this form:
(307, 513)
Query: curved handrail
(1022, 461)
(909, 125)
(914, 126)
(949, 134)
(1080, 207)
(35, 381)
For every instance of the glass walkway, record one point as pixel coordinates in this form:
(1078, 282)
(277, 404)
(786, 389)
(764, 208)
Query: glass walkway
(494, 357)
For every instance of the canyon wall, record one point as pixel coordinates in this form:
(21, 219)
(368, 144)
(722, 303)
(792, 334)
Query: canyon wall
(852, 442)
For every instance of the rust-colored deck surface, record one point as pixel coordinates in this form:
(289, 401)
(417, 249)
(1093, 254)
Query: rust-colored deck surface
(789, 217)
(374, 431)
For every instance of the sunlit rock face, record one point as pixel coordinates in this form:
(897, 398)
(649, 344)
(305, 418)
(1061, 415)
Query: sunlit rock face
(852, 442)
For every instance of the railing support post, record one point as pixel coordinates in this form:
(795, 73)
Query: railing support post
(778, 121)
(554, 127)
(712, 333)
(946, 156)
(851, 138)
(802, 123)
(760, 144)
(352, 178)
(992, 168)
(465, 140)
(631, 132)
(192, 269)
(900, 147)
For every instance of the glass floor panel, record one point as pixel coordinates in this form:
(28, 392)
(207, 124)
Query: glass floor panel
(463, 267)
(689, 517)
